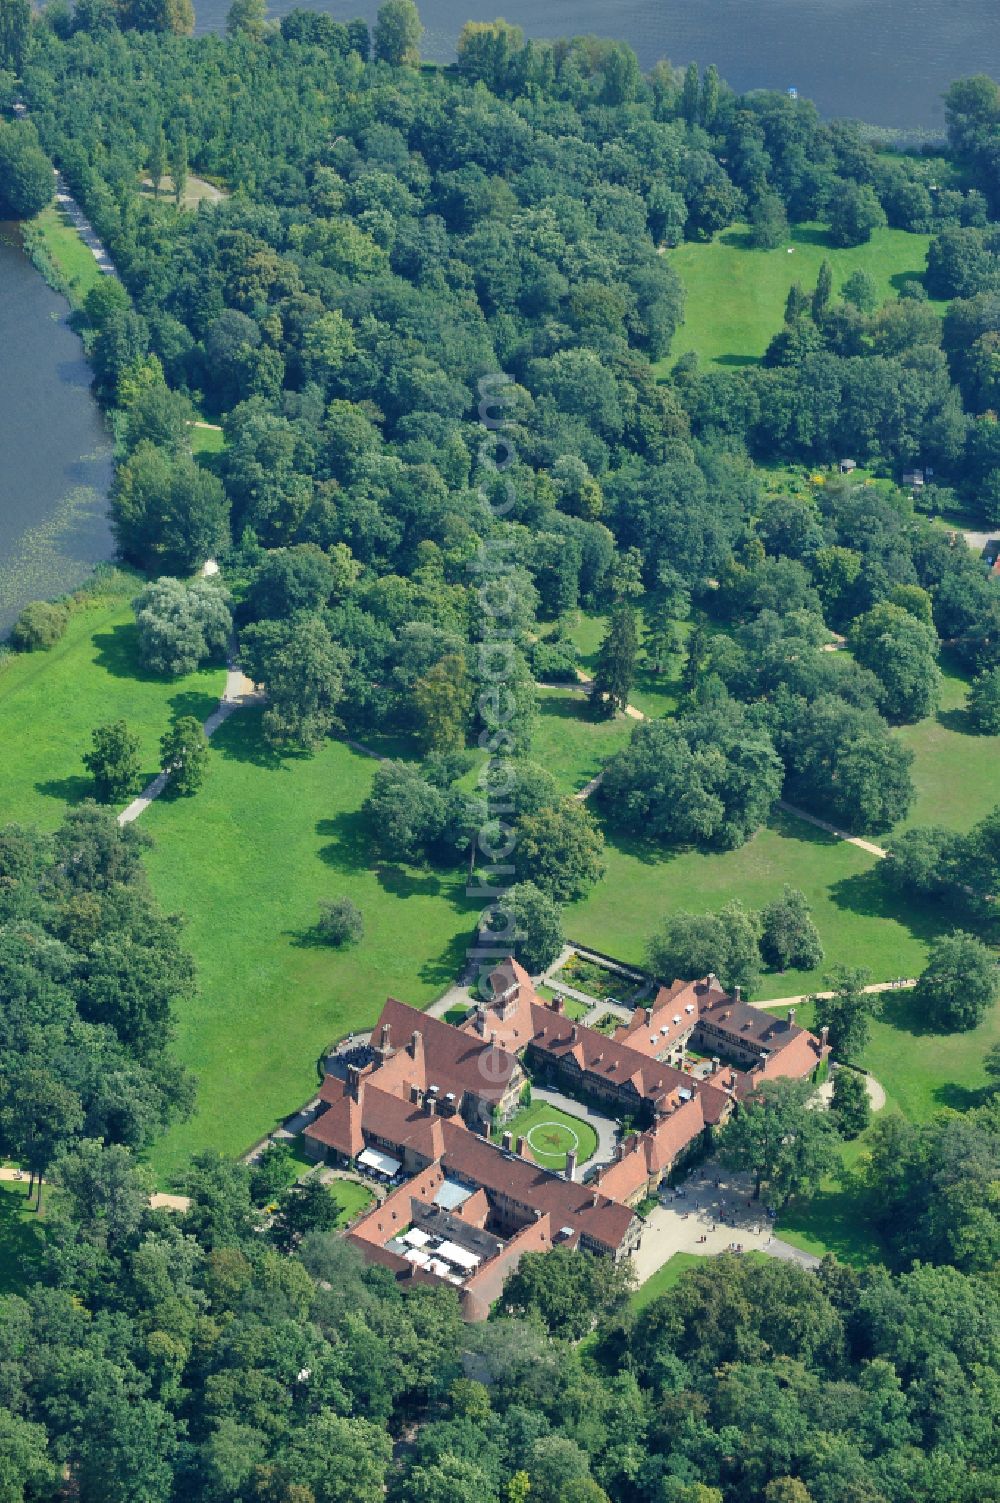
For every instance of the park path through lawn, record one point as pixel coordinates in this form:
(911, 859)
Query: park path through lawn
(237, 695)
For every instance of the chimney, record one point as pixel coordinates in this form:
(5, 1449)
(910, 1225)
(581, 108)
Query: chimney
(384, 1047)
(594, 1198)
(573, 1034)
(711, 978)
(824, 1035)
(507, 1142)
(570, 1170)
(354, 1082)
(716, 1064)
(619, 1153)
(558, 1003)
(791, 1017)
(416, 1043)
(481, 1020)
(430, 1105)
(762, 1059)
(737, 994)
(519, 1147)
(414, 1094)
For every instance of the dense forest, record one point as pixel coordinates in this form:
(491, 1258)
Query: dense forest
(401, 256)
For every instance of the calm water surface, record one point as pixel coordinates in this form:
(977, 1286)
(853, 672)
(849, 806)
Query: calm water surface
(55, 452)
(886, 61)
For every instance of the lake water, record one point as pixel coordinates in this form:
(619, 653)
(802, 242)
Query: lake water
(55, 451)
(885, 61)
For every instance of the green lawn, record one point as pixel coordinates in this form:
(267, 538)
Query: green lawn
(550, 1134)
(859, 922)
(664, 1279)
(956, 771)
(53, 239)
(352, 1197)
(735, 296)
(207, 440)
(570, 742)
(20, 1238)
(51, 701)
(248, 859)
(836, 1218)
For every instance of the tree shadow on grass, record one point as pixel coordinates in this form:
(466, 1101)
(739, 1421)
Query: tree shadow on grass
(899, 279)
(118, 654)
(349, 849)
(241, 739)
(960, 1098)
(736, 360)
(958, 720)
(20, 1242)
(838, 1217)
(865, 893)
(441, 970)
(71, 790)
(196, 702)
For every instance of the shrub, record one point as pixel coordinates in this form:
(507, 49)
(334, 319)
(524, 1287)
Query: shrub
(39, 626)
(181, 625)
(554, 662)
(340, 922)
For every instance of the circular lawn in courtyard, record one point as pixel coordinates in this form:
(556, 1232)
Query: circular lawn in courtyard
(549, 1134)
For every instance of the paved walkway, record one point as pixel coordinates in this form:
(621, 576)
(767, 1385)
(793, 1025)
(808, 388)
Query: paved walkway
(238, 693)
(708, 1218)
(875, 1089)
(604, 1127)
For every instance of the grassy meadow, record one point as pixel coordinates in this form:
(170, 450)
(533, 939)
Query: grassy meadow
(51, 701)
(736, 328)
(248, 860)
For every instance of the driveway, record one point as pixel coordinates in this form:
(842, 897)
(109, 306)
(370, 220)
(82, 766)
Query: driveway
(605, 1128)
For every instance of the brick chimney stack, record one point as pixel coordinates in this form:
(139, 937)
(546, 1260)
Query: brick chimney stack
(791, 1017)
(507, 1142)
(824, 1035)
(519, 1147)
(737, 994)
(416, 1044)
(570, 1170)
(354, 1082)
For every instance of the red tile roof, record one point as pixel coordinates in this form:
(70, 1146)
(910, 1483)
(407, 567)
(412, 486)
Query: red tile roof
(446, 1057)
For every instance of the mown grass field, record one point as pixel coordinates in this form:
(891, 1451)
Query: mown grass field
(956, 772)
(859, 922)
(51, 701)
(735, 295)
(249, 859)
(550, 1134)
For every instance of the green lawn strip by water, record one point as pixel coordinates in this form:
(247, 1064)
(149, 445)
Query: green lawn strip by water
(550, 1134)
(248, 859)
(60, 254)
(51, 701)
(20, 1238)
(735, 296)
(859, 922)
